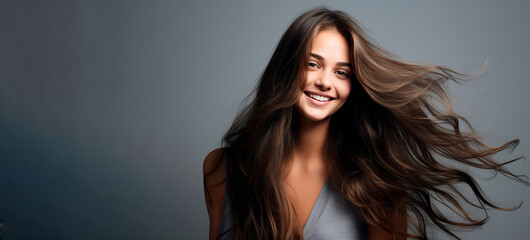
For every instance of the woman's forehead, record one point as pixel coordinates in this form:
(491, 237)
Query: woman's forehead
(330, 45)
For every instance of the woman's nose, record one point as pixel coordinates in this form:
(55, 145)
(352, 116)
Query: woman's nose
(323, 82)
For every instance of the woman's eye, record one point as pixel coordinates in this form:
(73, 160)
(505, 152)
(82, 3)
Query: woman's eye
(313, 65)
(343, 73)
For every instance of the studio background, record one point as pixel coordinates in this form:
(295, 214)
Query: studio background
(108, 108)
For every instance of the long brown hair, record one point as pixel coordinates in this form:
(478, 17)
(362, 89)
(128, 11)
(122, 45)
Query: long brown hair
(385, 143)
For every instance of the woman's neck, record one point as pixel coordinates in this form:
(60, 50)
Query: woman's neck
(310, 140)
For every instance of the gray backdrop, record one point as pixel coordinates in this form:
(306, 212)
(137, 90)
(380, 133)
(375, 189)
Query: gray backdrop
(108, 108)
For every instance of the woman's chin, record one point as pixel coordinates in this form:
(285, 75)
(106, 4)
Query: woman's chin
(315, 117)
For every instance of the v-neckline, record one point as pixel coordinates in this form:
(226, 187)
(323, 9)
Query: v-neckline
(318, 208)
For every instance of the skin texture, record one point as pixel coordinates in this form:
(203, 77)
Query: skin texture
(328, 74)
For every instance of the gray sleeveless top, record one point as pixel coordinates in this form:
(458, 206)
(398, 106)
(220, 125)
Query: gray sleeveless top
(332, 217)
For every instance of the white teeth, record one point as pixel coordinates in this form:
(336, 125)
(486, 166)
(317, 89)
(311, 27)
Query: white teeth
(318, 97)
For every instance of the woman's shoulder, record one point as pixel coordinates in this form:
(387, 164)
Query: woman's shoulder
(214, 169)
(214, 165)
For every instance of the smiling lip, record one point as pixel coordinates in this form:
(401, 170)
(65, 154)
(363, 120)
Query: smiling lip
(317, 102)
(321, 94)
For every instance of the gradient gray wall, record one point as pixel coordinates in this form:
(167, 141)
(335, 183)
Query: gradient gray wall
(108, 108)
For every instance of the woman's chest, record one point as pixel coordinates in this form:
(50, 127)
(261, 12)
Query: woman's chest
(303, 192)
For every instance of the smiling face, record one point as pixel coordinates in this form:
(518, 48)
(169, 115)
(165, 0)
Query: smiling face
(328, 75)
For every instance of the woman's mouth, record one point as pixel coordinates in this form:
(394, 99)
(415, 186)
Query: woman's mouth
(318, 97)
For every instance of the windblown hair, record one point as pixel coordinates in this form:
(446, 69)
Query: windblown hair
(384, 147)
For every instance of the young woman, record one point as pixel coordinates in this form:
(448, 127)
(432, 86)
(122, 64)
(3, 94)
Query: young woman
(342, 141)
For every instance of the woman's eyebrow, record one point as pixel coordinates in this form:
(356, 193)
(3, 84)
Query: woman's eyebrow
(317, 56)
(344, 64)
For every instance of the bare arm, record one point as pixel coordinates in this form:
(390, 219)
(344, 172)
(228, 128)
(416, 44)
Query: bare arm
(214, 170)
